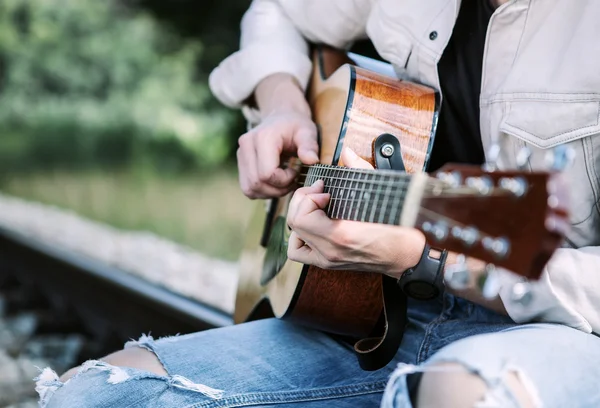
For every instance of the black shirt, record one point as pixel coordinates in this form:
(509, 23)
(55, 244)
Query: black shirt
(458, 136)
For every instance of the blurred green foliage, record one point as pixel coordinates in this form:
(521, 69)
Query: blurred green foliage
(102, 84)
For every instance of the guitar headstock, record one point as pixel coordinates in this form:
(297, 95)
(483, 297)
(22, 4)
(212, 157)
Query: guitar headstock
(513, 220)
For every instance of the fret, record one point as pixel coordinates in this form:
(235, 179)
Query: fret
(352, 195)
(365, 197)
(333, 190)
(325, 175)
(339, 193)
(386, 196)
(342, 193)
(377, 195)
(396, 205)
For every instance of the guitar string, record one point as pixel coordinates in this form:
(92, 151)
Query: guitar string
(454, 191)
(345, 194)
(396, 194)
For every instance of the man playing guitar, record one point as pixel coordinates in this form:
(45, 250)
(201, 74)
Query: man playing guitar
(517, 78)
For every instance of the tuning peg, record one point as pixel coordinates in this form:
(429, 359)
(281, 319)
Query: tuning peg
(439, 230)
(492, 155)
(453, 179)
(560, 158)
(468, 235)
(521, 293)
(457, 275)
(523, 157)
(490, 282)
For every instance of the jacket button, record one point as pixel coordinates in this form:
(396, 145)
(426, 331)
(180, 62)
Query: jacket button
(433, 35)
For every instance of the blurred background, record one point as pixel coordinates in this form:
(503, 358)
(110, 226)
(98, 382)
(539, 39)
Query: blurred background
(113, 151)
(105, 110)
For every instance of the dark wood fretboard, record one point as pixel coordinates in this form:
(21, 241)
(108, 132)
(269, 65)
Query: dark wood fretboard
(361, 195)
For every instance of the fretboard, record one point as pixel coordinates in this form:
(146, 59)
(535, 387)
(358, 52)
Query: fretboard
(362, 195)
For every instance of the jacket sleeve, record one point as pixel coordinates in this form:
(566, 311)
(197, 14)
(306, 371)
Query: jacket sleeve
(568, 292)
(274, 40)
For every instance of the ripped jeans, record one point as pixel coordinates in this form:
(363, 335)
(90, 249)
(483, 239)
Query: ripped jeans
(277, 364)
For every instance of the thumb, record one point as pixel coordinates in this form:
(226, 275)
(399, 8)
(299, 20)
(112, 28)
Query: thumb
(351, 159)
(321, 200)
(308, 148)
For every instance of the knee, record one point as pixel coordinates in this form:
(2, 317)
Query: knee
(454, 386)
(134, 357)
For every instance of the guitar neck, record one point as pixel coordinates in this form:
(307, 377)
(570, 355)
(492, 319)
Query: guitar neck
(369, 196)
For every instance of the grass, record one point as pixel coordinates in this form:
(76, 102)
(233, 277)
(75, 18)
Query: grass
(206, 212)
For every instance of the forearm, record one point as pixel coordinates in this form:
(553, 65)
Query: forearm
(473, 291)
(280, 93)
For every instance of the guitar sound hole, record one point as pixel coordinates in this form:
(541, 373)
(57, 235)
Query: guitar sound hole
(276, 254)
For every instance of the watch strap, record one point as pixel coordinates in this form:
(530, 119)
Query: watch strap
(425, 280)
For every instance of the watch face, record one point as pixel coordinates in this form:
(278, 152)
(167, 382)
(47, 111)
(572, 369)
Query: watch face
(421, 290)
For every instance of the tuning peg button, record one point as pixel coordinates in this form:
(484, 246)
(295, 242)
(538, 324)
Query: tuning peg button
(451, 178)
(457, 275)
(498, 246)
(522, 294)
(492, 155)
(516, 185)
(483, 185)
(490, 283)
(468, 235)
(560, 158)
(523, 157)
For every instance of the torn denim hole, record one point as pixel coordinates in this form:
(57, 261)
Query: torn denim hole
(46, 385)
(147, 342)
(499, 395)
(48, 382)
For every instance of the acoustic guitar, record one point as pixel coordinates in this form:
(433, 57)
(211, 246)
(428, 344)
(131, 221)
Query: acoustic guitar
(503, 218)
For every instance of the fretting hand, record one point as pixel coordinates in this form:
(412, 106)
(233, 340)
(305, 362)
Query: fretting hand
(350, 245)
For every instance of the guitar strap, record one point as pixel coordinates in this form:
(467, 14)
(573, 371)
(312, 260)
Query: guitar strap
(376, 352)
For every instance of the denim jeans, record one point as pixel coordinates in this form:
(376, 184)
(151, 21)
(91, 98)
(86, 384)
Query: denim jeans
(278, 364)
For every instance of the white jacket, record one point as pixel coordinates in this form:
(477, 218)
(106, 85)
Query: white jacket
(540, 88)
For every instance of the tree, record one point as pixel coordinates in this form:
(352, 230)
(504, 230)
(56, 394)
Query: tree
(87, 81)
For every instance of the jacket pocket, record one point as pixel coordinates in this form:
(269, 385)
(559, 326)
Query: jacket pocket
(549, 123)
(544, 122)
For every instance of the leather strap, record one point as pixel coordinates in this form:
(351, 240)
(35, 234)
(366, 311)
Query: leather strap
(425, 281)
(376, 352)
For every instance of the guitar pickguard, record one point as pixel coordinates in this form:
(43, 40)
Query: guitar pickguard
(276, 255)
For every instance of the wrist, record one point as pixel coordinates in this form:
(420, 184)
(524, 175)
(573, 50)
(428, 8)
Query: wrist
(425, 280)
(280, 94)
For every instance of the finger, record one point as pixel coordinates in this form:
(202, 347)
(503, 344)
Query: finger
(267, 153)
(248, 184)
(298, 251)
(351, 159)
(299, 196)
(246, 169)
(307, 216)
(267, 191)
(307, 146)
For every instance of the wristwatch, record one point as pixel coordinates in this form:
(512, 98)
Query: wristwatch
(425, 280)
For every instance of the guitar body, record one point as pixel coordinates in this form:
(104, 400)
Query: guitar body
(353, 102)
